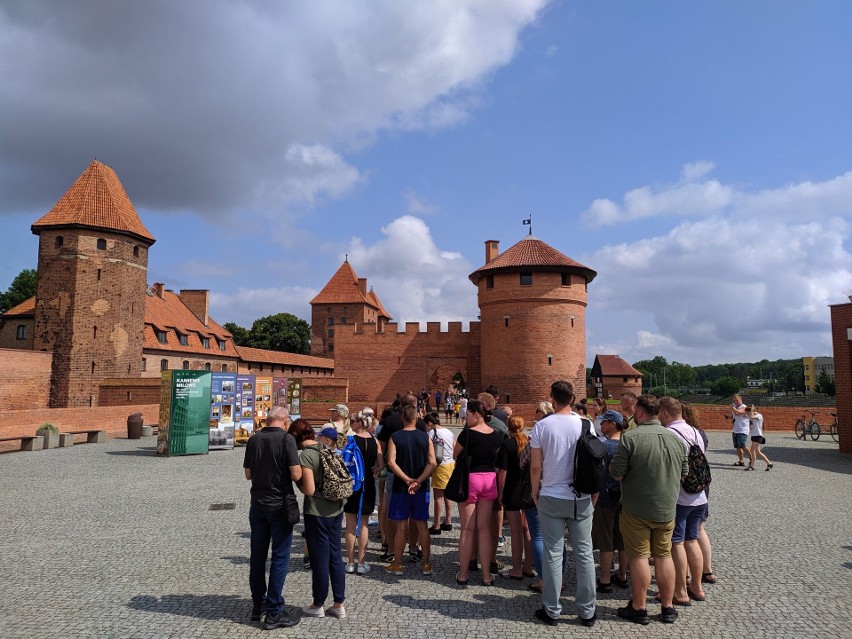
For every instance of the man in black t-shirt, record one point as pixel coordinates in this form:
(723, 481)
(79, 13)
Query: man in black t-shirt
(272, 465)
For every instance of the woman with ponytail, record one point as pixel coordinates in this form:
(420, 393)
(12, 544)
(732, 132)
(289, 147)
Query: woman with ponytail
(507, 479)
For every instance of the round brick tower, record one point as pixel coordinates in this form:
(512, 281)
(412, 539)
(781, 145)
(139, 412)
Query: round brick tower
(532, 304)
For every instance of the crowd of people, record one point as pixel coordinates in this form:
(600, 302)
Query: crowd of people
(646, 514)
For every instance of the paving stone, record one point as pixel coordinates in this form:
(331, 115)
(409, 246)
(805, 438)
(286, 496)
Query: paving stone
(120, 543)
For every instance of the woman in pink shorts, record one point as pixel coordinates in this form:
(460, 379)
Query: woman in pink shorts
(481, 443)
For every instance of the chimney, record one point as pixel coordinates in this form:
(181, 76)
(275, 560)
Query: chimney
(492, 250)
(197, 301)
(157, 289)
(362, 285)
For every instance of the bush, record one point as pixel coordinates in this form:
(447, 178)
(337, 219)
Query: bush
(47, 427)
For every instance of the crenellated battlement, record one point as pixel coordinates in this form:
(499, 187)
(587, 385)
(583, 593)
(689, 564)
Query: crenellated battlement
(409, 329)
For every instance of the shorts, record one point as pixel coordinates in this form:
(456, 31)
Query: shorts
(482, 486)
(739, 439)
(643, 537)
(441, 475)
(403, 506)
(606, 532)
(760, 439)
(688, 523)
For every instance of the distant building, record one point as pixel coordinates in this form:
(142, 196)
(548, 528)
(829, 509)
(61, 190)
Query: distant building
(814, 366)
(613, 376)
(841, 337)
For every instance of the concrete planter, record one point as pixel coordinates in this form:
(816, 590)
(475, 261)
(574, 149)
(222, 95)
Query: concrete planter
(51, 439)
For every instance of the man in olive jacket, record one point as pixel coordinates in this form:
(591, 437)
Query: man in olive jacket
(649, 462)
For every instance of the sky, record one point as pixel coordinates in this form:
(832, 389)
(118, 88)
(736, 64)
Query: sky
(698, 156)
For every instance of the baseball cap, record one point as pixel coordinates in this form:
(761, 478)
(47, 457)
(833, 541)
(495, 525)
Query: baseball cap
(341, 409)
(330, 432)
(612, 416)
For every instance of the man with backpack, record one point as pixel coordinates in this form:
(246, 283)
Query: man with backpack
(691, 504)
(649, 462)
(553, 447)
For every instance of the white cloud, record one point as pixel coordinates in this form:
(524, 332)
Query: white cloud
(414, 278)
(249, 304)
(200, 105)
(418, 205)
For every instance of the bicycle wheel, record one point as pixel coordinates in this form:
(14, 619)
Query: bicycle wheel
(800, 428)
(833, 431)
(814, 431)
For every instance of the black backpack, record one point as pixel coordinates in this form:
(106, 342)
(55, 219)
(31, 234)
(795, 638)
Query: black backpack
(589, 462)
(698, 477)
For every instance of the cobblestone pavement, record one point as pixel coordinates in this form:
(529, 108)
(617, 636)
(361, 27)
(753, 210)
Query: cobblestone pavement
(107, 540)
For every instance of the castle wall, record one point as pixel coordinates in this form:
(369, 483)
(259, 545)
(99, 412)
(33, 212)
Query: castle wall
(24, 379)
(381, 363)
(90, 310)
(9, 332)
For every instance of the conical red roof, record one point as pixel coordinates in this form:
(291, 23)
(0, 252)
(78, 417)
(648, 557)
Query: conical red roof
(96, 200)
(531, 253)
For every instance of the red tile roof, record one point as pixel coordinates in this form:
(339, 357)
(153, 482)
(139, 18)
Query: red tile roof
(613, 365)
(534, 254)
(27, 307)
(97, 199)
(343, 288)
(287, 359)
(169, 314)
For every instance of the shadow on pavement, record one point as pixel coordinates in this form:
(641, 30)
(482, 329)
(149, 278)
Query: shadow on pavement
(148, 451)
(210, 607)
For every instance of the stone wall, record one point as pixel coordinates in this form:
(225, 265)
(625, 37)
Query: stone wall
(24, 379)
(841, 335)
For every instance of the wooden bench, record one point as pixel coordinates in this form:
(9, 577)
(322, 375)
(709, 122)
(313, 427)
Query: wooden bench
(94, 436)
(28, 442)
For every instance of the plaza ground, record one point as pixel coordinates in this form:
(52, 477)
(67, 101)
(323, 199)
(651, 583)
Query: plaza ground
(107, 540)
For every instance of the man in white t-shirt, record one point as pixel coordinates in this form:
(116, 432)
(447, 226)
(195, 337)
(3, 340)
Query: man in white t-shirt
(552, 447)
(739, 432)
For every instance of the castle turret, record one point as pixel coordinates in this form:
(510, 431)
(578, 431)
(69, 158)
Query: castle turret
(532, 303)
(92, 267)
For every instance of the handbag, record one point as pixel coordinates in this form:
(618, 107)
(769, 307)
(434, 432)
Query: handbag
(458, 486)
(291, 509)
(521, 497)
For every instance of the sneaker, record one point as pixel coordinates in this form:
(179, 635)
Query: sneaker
(312, 611)
(618, 581)
(281, 620)
(501, 541)
(668, 615)
(541, 615)
(306, 562)
(590, 621)
(395, 569)
(257, 611)
(446, 527)
(336, 611)
(631, 614)
(350, 568)
(603, 588)
(427, 568)
(363, 569)
(415, 556)
(434, 531)
(386, 556)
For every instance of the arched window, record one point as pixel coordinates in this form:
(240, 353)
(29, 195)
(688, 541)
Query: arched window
(207, 366)
(144, 364)
(164, 364)
(186, 364)
(224, 368)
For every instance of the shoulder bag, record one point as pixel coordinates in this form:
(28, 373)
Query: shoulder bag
(458, 486)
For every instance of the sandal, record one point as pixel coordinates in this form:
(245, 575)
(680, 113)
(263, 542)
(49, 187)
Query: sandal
(461, 582)
(738, 464)
(677, 602)
(535, 587)
(769, 466)
(532, 574)
(506, 574)
(695, 597)
(708, 578)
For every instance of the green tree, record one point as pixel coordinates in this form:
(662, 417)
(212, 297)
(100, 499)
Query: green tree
(725, 386)
(240, 334)
(281, 332)
(824, 384)
(23, 287)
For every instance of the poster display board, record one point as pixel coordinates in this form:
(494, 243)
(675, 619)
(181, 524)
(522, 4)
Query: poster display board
(187, 429)
(288, 392)
(244, 408)
(222, 403)
(262, 400)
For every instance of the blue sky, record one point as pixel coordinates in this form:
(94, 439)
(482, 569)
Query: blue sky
(698, 156)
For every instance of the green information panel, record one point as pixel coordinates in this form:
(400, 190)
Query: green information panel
(188, 428)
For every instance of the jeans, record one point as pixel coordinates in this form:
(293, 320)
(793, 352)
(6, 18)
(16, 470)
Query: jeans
(537, 540)
(555, 515)
(322, 535)
(266, 526)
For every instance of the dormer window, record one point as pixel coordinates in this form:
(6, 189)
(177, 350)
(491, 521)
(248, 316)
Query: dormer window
(221, 344)
(101, 244)
(205, 342)
(183, 340)
(162, 337)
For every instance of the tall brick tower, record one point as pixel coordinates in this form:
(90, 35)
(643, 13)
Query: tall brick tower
(532, 304)
(92, 277)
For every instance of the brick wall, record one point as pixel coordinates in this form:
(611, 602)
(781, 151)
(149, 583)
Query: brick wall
(841, 336)
(153, 360)
(9, 332)
(24, 379)
(381, 363)
(129, 391)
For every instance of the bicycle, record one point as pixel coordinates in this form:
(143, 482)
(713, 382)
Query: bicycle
(833, 429)
(804, 428)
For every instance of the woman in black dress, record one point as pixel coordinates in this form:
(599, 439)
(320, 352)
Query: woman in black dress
(364, 499)
(508, 476)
